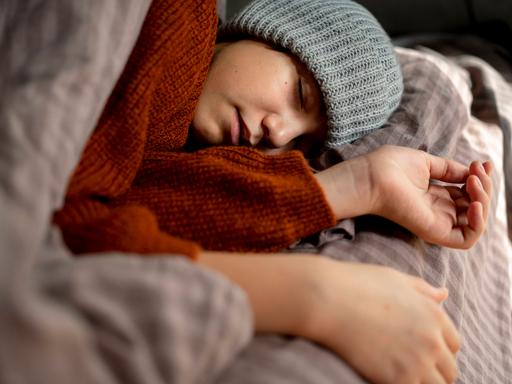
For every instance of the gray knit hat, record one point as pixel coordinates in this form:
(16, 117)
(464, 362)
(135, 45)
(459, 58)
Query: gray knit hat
(343, 46)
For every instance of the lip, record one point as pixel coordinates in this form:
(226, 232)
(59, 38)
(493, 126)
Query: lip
(235, 127)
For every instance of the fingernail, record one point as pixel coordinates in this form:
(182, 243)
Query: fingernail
(481, 167)
(489, 165)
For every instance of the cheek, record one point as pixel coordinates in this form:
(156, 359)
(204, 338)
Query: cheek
(250, 81)
(200, 120)
(263, 88)
(206, 120)
(223, 76)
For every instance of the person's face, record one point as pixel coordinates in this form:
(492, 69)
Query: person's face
(257, 96)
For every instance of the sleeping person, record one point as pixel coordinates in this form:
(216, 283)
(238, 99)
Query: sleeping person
(201, 152)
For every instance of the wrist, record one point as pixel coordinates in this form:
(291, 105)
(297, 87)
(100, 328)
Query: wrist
(329, 292)
(349, 187)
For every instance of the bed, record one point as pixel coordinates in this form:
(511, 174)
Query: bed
(123, 318)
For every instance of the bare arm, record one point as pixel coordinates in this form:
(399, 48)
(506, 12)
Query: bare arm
(386, 324)
(274, 283)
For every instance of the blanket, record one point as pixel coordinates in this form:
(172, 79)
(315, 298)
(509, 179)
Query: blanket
(121, 318)
(111, 319)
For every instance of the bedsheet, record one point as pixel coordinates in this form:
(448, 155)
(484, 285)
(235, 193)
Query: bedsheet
(454, 105)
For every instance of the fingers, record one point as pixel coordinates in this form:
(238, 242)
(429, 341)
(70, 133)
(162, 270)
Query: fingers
(469, 221)
(434, 377)
(447, 366)
(470, 227)
(460, 198)
(483, 172)
(479, 186)
(475, 220)
(449, 171)
(472, 204)
(450, 334)
(437, 294)
(479, 189)
(488, 166)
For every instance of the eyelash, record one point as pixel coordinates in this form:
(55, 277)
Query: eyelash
(301, 94)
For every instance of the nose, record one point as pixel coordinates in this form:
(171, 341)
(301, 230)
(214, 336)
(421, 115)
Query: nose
(278, 131)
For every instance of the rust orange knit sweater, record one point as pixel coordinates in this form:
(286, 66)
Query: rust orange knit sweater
(136, 189)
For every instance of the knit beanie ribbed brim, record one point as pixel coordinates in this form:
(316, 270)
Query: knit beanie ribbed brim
(343, 46)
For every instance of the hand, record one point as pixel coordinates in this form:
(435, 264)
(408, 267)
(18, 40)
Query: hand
(446, 215)
(387, 325)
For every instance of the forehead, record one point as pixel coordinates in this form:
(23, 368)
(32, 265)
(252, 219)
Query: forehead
(263, 51)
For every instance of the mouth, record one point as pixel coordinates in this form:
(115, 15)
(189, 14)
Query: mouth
(235, 127)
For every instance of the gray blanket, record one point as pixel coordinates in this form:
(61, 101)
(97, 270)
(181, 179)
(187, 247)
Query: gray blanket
(121, 318)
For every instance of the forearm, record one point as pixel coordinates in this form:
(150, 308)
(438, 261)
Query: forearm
(276, 286)
(321, 300)
(232, 198)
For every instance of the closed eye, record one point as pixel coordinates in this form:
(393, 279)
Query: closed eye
(301, 94)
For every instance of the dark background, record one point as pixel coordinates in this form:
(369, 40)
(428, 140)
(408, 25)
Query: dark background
(491, 19)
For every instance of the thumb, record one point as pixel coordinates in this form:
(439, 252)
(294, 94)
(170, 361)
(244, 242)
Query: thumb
(449, 171)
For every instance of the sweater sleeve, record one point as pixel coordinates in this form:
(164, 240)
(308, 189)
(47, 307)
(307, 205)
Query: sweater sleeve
(90, 226)
(232, 198)
(223, 198)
